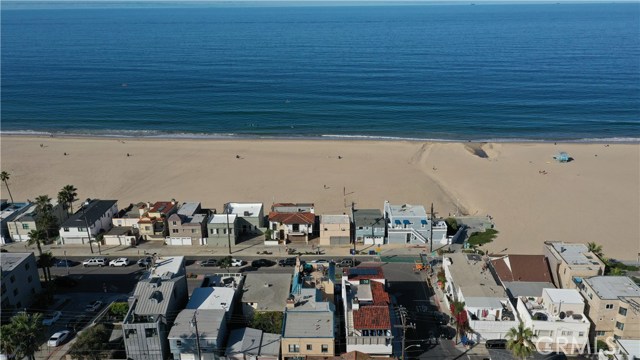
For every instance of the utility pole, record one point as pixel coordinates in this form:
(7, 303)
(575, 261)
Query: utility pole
(353, 233)
(228, 230)
(194, 323)
(431, 232)
(402, 312)
(86, 223)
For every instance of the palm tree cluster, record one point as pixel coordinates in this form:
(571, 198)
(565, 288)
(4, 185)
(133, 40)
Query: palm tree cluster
(23, 335)
(67, 196)
(520, 341)
(4, 177)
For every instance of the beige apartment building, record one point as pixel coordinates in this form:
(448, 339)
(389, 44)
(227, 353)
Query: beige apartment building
(570, 263)
(613, 305)
(335, 230)
(307, 333)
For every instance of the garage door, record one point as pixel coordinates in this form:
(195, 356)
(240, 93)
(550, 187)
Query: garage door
(180, 241)
(187, 356)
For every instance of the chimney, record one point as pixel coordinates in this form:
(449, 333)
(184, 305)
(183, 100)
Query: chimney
(356, 304)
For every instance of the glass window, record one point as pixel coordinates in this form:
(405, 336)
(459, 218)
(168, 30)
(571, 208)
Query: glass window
(178, 343)
(599, 333)
(175, 231)
(608, 306)
(581, 334)
(619, 325)
(25, 226)
(26, 266)
(13, 279)
(309, 347)
(622, 311)
(294, 348)
(66, 229)
(150, 332)
(82, 229)
(325, 348)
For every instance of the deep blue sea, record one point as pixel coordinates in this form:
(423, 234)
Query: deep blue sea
(450, 72)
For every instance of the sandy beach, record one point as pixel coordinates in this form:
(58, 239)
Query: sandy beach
(531, 197)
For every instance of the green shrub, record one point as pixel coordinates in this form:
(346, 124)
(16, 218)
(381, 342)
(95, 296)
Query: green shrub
(268, 321)
(481, 238)
(452, 226)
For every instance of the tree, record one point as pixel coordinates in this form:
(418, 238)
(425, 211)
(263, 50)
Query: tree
(92, 344)
(37, 237)
(4, 176)
(519, 341)
(67, 196)
(45, 261)
(459, 313)
(23, 335)
(119, 310)
(596, 249)
(268, 321)
(45, 220)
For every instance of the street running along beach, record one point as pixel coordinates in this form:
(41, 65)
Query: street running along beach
(531, 197)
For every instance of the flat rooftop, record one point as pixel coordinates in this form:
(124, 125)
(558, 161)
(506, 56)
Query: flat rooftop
(334, 219)
(217, 297)
(222, 218)
(613, 287)
(268, 291)
(167, 266)
(565, 296)
(471, 274)
(308, 324)
(209, 324)
(576, 254)
(188, 208)
(525, 288)
(10, 261)
(368, 217)
(407, 210)
(244, 209)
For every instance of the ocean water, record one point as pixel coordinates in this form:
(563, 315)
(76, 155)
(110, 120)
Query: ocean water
(449, 72)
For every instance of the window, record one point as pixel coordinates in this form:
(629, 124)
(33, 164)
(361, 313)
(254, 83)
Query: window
(193, 231)
(25, 226)
(29, 278)
(82, 229)
(175, 223)
(27, 266)
(608, 306)
(130, 332)
(360, 228)
(599, 333)
(294, 348)
(325, 348)
(224, 231)
(581, 334)
(175, 231)
(326, 229)
(150, 332)
(274, 227)
(13, 279)
(147, 228)
(295, 227)
(309, 347)
(619, 325)
(567, 333)
(622, 311)
(178, 343)
(66, 229)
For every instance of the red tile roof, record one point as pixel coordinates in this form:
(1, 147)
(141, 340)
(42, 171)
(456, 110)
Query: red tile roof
(163, 207)
(292, 218)
(380, 296)
(376, 317)
(354, 274)
(529, 268)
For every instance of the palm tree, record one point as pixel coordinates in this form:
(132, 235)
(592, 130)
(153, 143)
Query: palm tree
(23, 335)
(596, 249)
(46, 220)
(4, 176)
(520, 341)
(67, 196)
(37, 237)
(46, 262)
(460, 315)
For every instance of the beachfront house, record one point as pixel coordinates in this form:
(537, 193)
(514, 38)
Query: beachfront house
(613, 306)
(20, 281)
(130, 215)
(252, 344)
(409, 224)
(469, 280)
(335, 230)
(557, 319)
(250, 217)
(188, 226)
(222, 229)
(153, 224)
(571, 262)
(369, 226)
(121, 235)
(157, 298)
(24, 219)
(8, 212)
(367, 313)
(292, 222)
(522, 275)
(265, 293)
(94, 217)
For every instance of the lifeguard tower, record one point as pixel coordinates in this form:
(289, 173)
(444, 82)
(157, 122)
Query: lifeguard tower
(562, 157)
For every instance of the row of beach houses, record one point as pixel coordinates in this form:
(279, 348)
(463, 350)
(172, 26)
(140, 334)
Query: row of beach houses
(188, 224)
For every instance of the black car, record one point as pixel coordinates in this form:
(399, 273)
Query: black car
(262, 263)
(65, 281)
(287, 262)
(65, 263)
(209, 262)
(496, 344)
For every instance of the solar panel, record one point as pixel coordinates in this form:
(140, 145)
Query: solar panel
(363, 271)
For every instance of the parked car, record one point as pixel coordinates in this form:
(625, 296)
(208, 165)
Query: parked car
(65, 281)
(320, 262)
(287, 262)
(58, 338)
(123, 261)
(65, 263)
(238, 262)
(209, 262)
(262, 263)
(496, 344)
(346, 263)
(93, 306)
(96, 261)
(145, 261)
(50, 319)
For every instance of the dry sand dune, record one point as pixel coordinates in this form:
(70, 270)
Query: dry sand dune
(531, 198)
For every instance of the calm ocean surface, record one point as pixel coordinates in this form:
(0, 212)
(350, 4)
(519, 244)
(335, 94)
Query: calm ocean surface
(457, 72)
